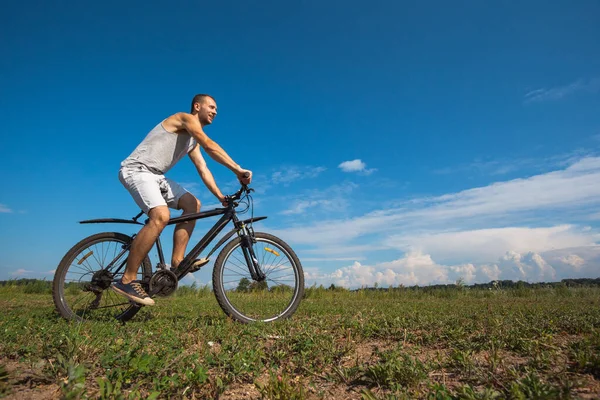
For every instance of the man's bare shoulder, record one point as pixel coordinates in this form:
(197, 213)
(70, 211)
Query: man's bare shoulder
(176, 122)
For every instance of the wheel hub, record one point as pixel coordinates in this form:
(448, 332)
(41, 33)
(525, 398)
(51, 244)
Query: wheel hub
(101, 280)
(163, 283)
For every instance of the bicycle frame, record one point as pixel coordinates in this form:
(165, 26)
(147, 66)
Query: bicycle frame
(228, 214)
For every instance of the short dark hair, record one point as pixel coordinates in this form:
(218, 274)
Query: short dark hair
(199, 98)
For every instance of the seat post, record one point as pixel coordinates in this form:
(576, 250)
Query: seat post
(139, 215)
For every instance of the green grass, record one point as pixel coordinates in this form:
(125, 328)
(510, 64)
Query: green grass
(448, 343)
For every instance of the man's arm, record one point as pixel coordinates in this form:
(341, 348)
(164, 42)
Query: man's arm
(191, 124)
(205, 174)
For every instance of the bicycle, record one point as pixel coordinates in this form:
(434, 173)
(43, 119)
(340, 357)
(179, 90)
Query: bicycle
(256, 276)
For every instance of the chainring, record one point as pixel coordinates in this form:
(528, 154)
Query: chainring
(163, 283)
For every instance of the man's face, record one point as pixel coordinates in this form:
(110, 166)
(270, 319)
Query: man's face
(207, 111)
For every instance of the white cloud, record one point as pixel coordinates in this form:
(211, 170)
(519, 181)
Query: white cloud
(484, 245)
(356, 166)
(466, 272)
(559, 92)
(20, 272)
(479, 234)
(529, 266)
(293, 173)
(352, 166)
(490, 272)
(412, 269)
(350, 251)
(547, 198)
(301, 206)
(193, 187)
(417, 268)
(476, 234)
(332, 199)
(4, 209)
(573, 260)
(572, 187)
(285, 176)
(330, 259)
(495, 167)
(504, 166)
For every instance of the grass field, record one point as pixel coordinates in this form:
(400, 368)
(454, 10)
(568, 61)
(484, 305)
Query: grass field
(457, 343)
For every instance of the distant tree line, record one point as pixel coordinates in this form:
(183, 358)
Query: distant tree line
(25, 282)
(499, 284)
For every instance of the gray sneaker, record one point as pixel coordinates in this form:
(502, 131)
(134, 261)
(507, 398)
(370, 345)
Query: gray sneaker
(134, 291)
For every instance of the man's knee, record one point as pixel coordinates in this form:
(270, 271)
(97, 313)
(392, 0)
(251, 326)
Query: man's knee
(189, 204)
(159, 216)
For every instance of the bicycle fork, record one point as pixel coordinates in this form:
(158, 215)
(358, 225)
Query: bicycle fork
(251, 261)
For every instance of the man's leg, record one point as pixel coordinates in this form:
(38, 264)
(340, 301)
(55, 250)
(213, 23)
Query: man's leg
(183, 231)
(143, 242)
(141, 245)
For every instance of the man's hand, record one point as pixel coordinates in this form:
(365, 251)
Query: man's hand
(244, 176)
(222, 200)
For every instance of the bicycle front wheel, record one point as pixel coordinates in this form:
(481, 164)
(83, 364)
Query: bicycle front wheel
(247, 300)
(81, 286)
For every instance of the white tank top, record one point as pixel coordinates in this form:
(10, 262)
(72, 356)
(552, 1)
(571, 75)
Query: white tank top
(160, 150)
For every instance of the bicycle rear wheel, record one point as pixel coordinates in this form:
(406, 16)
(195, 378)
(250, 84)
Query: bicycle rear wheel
(247, 300)
(81, 286)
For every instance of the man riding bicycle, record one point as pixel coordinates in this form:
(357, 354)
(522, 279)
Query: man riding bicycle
(142, 174)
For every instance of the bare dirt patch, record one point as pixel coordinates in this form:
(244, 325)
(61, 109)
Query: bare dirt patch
(27, 382)
(240, 392)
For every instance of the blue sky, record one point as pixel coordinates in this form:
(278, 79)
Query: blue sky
(391, 142)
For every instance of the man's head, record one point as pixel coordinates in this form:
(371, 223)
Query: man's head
(205, 107)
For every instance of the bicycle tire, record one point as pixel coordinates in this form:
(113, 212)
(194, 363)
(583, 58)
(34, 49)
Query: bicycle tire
(125, 310)
(225, 296)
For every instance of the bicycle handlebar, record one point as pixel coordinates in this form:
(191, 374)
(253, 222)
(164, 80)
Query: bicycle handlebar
(230, 199)
(238, 195)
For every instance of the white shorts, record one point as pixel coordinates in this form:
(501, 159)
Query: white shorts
(150, 190)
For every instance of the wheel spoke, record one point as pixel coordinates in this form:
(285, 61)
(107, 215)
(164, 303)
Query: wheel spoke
(246, 299)
(84, 289)
(276, 280)
(241, 269)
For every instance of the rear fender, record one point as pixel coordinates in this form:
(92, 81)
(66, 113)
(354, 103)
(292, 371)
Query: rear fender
(110, 220)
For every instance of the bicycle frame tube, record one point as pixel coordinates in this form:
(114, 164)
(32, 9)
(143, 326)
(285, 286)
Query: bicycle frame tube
(185, 218)
(200, 215)
(228, 215)
(161, 257)
(110, 265)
